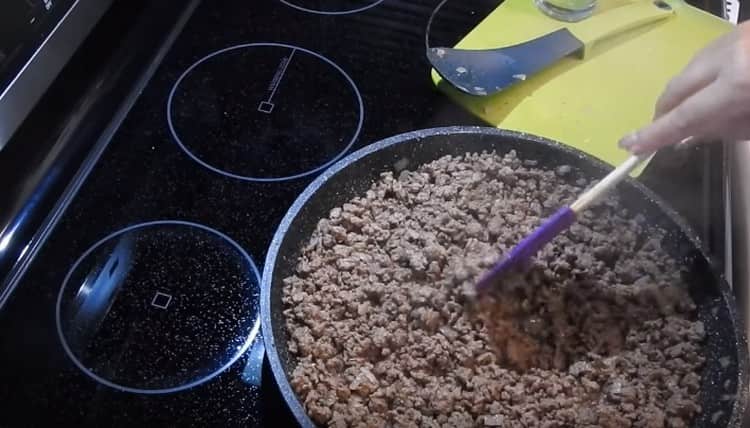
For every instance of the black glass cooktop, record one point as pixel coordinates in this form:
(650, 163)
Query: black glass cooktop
(141, 308)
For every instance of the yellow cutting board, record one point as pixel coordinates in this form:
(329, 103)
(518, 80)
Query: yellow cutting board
(588, 104)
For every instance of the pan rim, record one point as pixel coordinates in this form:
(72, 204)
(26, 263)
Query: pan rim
(280, 376)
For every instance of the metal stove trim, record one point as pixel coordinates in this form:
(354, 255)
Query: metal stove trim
(28, 86)
(16, 274)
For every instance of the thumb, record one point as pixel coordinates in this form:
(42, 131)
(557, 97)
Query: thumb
(697, 116)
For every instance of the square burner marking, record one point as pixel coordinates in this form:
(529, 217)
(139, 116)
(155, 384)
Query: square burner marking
(161, 300)
(265, 107)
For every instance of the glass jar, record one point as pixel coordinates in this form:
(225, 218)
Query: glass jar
(567, 10)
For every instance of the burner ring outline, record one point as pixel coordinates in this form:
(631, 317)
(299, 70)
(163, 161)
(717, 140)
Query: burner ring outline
(90, 373)
(337, 12)
(176, 137)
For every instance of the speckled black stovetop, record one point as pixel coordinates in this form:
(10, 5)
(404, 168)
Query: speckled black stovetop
(141, 308)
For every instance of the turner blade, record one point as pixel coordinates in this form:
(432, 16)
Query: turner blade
(484, 72)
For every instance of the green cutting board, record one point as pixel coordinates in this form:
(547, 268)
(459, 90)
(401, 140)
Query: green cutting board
(587, 103)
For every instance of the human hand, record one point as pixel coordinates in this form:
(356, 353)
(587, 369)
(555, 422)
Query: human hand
(709, 99)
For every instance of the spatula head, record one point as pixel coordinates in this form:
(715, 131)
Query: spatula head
(519, 258)
(484, 72)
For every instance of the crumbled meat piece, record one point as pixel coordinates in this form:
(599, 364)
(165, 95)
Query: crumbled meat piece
(494, 420)
(386, 329)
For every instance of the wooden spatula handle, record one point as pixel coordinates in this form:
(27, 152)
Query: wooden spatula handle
(607, 183)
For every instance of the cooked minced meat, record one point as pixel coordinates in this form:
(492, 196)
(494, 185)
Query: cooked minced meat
(385, 329)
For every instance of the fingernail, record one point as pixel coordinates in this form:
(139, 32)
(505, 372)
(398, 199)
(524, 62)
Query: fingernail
(638, 149)
(628, 141)
(686, 143)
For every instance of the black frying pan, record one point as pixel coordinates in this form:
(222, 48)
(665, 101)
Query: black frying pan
(724, 388)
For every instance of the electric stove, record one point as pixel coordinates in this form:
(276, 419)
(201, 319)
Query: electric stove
(140, 304)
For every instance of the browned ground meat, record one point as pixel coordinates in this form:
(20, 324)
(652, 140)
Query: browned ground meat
(386, 331)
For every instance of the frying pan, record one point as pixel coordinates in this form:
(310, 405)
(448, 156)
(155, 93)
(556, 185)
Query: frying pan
(724, 391)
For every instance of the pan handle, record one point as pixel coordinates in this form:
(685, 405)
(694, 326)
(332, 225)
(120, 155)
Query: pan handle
(252, 373)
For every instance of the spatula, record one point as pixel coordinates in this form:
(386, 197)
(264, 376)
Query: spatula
(519, 258)
(487, 71)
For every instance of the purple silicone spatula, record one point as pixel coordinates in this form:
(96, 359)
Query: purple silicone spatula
(519, 258)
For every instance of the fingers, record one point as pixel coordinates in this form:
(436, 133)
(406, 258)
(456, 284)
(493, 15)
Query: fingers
(699, 115)
(709, 99)
(690, 81)
(698, 74)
